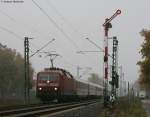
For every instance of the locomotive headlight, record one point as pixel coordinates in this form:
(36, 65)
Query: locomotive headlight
(48, 81)
(40, 88)
(55, 88)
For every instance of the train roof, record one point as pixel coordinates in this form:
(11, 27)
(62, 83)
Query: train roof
(90, 83)
(69, 75)
(57, 70)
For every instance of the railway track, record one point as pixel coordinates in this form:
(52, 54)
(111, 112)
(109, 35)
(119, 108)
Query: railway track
(40, 110)
(2, 108)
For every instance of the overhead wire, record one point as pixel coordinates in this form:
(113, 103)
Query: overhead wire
(19, 37)
(69, 24)
(95, 44)
(42, 47)
(14, 34)
(98, 46)
(63, 18)
(49, 19)
(55, 24)
(69, 63)
(11, 32)
(4, 13)
(21, 23)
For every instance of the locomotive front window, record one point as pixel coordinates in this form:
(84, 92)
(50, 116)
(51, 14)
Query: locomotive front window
(46, 77)
(43, 77)
(51, 78)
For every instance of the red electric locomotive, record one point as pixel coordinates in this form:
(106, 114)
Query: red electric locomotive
(55, 83)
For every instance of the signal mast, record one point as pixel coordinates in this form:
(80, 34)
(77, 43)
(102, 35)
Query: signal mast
(106, 26)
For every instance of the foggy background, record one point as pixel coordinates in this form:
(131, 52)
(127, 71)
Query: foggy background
(78, 19)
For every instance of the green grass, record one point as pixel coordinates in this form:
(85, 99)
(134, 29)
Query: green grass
(125, 108)
(13, 102)
(10, 102)
(132, 108)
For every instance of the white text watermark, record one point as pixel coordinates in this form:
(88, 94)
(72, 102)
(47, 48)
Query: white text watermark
(11, 1)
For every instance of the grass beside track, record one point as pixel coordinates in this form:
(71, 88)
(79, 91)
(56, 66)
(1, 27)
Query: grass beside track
(13, 102)
(10, 102)
(125, 108)
(132, 108)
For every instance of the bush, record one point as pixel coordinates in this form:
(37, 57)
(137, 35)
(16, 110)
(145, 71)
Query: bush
(130, 108)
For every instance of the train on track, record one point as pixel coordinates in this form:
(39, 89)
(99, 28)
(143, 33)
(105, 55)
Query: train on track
(58, 84)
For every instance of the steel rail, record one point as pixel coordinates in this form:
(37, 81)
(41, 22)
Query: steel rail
(40, 110)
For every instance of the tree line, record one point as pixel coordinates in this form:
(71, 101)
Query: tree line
(96, 79)
(12, 73)
(144, 64)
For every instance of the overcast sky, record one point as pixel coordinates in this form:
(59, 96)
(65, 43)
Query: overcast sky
(70, 22)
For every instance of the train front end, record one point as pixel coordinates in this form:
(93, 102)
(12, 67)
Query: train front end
(47, 85)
